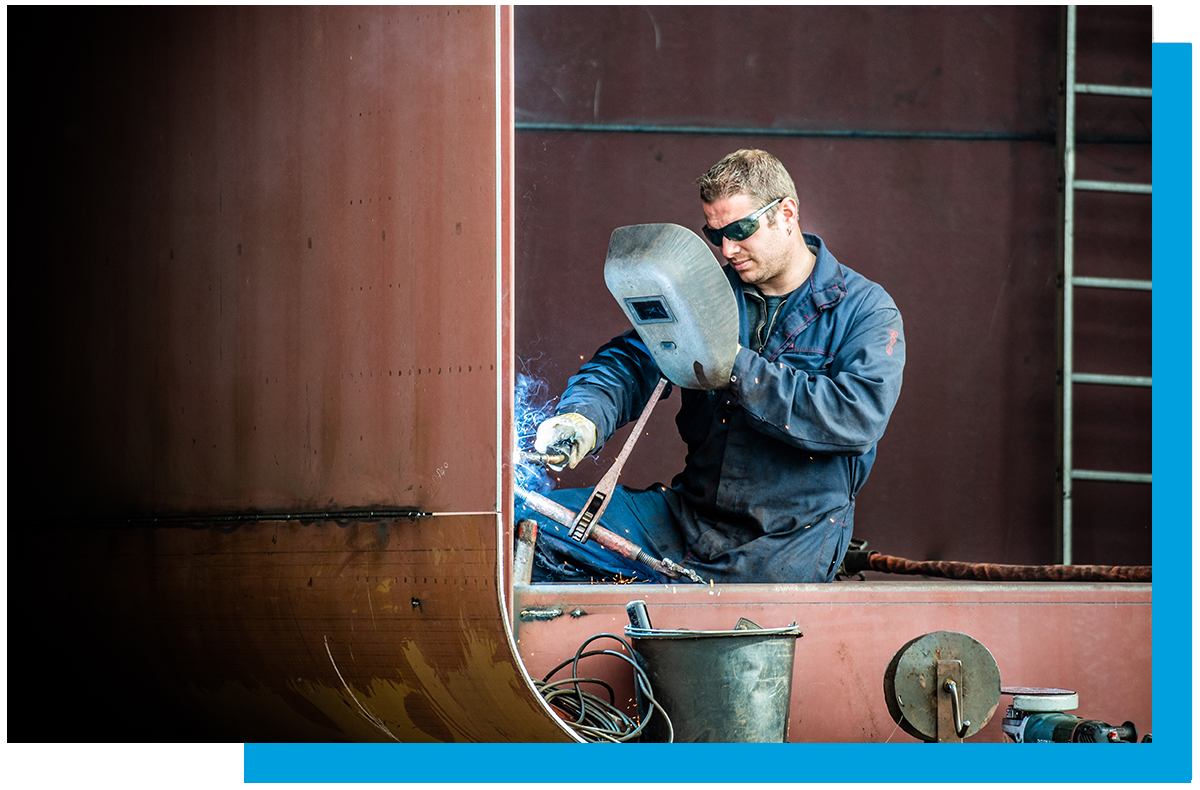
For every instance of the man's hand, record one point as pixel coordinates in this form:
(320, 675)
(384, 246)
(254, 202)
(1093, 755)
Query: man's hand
(570, 433)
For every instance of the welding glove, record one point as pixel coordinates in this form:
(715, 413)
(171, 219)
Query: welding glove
(570, 433)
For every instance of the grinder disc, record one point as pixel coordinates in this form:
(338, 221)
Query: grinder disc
(910, 682)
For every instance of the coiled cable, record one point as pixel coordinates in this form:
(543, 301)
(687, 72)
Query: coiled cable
(591, 717)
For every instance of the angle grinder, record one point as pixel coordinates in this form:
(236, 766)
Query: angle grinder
(1037, 715)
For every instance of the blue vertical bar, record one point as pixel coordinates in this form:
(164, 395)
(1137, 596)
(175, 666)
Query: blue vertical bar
(1172, 408)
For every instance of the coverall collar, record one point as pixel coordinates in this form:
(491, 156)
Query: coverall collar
(827, 283)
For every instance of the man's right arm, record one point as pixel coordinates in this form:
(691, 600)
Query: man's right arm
(613, 387)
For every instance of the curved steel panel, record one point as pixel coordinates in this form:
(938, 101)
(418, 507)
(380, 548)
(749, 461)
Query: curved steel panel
(282, 283)
(284, 631)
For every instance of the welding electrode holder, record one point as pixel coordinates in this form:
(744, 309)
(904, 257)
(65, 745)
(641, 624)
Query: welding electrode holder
(554, 460)
(558, 455)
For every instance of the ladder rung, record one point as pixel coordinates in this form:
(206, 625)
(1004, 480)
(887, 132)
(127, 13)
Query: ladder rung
(1101, 378)
(1113, 90)
(1113, 186)
(1110, 282)
(1110, 477)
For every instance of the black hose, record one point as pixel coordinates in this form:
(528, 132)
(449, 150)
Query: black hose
(587, 715)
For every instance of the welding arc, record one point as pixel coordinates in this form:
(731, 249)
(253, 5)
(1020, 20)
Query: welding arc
(606, 538)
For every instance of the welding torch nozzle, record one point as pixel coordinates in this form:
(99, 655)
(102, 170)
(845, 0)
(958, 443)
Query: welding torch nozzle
(545, 459)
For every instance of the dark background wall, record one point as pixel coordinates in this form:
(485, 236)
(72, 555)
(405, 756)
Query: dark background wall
(960, 231)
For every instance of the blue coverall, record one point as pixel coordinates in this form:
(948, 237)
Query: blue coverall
(774, 461)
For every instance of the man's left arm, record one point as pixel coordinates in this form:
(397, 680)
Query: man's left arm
(842, 409)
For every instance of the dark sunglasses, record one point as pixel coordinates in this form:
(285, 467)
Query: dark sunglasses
(740, 230)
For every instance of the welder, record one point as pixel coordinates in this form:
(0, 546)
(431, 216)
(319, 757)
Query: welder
(776, 457)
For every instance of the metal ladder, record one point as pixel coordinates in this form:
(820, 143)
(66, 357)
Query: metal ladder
(1068, 282)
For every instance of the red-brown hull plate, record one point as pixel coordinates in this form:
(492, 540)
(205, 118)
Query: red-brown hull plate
(284, 632)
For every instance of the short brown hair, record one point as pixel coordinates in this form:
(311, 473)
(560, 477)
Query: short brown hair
(748, 171)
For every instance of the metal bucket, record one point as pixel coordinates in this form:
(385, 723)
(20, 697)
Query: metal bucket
(718, 686)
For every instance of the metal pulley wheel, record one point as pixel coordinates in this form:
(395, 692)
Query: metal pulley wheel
(943, 686)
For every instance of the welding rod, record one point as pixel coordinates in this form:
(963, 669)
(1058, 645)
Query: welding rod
(606, 538)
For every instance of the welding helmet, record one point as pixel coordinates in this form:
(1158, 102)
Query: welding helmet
(669, 284)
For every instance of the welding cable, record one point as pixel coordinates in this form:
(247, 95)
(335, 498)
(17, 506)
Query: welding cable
(594, 719)
(597, 720)
(639, 674)
(858, 561)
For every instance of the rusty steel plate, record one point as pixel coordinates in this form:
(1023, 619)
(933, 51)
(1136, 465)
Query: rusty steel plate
(273, 401)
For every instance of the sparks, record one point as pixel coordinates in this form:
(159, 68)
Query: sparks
(532, 405)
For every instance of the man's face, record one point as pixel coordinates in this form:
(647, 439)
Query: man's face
(762, 259)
